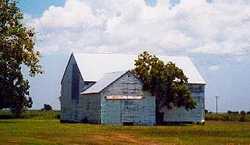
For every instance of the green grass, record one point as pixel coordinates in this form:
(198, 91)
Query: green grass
(51, 132)
(41, 128)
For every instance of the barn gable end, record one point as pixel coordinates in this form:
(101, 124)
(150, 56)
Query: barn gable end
(133, 109)
(118, 98)
(71, 86)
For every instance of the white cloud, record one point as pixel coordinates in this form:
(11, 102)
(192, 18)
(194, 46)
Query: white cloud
(221, 27)
(74, 14)
(214, 67)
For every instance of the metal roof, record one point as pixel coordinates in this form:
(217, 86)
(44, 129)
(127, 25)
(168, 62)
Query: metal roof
(93, 66)
(105, 81)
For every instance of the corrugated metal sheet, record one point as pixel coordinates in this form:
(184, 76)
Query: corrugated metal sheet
(93, 66)
(106, 80)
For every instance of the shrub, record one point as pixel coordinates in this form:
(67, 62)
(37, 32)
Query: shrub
(58, 116)
(85, 120)
(46, 107)
(232, 112)
(32, 114)
(242, 116)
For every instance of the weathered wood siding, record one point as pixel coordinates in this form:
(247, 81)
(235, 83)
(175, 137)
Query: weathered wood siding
(90, 108)
(140, 111)
(194, 115)
(69, 106)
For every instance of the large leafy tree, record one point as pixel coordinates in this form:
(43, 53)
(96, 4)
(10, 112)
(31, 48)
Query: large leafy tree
(16, 51)
(165, 81)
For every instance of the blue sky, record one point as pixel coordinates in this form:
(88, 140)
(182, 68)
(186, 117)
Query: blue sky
(214, 34)
(37, 7)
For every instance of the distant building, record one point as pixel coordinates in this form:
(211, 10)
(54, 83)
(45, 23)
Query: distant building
(99, 88)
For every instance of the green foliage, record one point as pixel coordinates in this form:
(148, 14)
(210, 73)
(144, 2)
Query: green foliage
(228, 117)
(32, 114)
(242, 116)
(16, 51)
(47, 107)
(165, 81)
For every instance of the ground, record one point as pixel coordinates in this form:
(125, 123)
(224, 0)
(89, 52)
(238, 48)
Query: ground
(49, 131)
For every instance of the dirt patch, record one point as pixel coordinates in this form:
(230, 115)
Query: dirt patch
(120, 139)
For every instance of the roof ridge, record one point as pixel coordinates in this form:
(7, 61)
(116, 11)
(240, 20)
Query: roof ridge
(114, 53)
(92, 66)
(104, 82)
(116, 72)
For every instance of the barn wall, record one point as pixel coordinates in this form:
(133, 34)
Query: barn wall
(127, 111)
(194, 115)
(69, 106)
(90, 108)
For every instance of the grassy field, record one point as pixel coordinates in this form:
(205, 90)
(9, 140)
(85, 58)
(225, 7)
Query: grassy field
(46, 130)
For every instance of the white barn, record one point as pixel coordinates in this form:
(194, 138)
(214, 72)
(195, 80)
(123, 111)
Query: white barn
(90, 93)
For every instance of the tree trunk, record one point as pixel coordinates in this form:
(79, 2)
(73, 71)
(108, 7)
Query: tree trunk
(17, 109)
(159, 114)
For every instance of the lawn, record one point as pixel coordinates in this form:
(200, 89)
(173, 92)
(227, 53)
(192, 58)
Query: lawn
(45, 131)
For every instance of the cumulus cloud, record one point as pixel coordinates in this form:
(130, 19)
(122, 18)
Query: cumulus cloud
(214, 67)
(214, 27)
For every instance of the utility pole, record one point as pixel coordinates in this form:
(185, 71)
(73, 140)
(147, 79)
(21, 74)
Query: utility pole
(216, 98)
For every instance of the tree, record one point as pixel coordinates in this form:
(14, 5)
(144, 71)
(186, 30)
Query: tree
(46, 107)
(166, 82)
(242, 116)
(16, 51)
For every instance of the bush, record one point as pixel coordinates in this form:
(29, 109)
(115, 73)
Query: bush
(32, 114)
(232, 112)
(58, 116)
(233, 116)
(85, 120)
(46, 107)
(242, 116)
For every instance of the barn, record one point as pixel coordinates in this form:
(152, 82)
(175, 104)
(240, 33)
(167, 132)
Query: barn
(99, 88)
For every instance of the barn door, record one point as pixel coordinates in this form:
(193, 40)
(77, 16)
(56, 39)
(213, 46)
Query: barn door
(128, 110)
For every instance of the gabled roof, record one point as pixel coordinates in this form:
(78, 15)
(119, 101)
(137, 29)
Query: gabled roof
(104, 82)
(93, 66)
